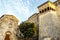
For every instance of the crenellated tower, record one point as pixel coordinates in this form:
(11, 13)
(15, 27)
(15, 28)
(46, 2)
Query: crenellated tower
(48, 21)
(46, 7)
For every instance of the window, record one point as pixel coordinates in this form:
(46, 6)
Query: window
(40, 11)
(48, 8)
(45, 9)
(10, 25)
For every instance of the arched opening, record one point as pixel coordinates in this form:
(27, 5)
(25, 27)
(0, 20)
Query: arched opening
(7, 36)
(48, 8)
(42, 11)
(45, 9)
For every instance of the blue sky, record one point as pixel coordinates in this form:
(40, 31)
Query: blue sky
(22, 9)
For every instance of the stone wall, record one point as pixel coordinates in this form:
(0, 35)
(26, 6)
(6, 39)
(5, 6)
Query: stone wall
(49, 25)
(8, 25)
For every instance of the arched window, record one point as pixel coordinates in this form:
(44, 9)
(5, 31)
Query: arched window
(40, 11)
(7, 37)
(48, 8)
(45, 9)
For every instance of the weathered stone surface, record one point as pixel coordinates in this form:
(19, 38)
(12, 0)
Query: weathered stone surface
(49, 25)
(8, 25)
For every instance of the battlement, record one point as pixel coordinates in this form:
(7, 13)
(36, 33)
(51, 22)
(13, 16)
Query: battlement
(46, 7)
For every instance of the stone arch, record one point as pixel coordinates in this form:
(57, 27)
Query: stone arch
(7, 35)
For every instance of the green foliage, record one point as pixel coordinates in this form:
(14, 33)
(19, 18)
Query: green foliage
(28, 29)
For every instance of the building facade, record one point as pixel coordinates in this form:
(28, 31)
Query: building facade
(8, 27)
(48, 20)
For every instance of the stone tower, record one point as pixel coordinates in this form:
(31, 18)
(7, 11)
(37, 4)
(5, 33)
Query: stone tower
(48, 21)
(8, 27)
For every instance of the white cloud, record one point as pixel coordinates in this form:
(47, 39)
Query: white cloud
(19, 8)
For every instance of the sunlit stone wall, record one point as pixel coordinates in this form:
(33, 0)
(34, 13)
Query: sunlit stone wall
(49, 25)
(8, 23)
